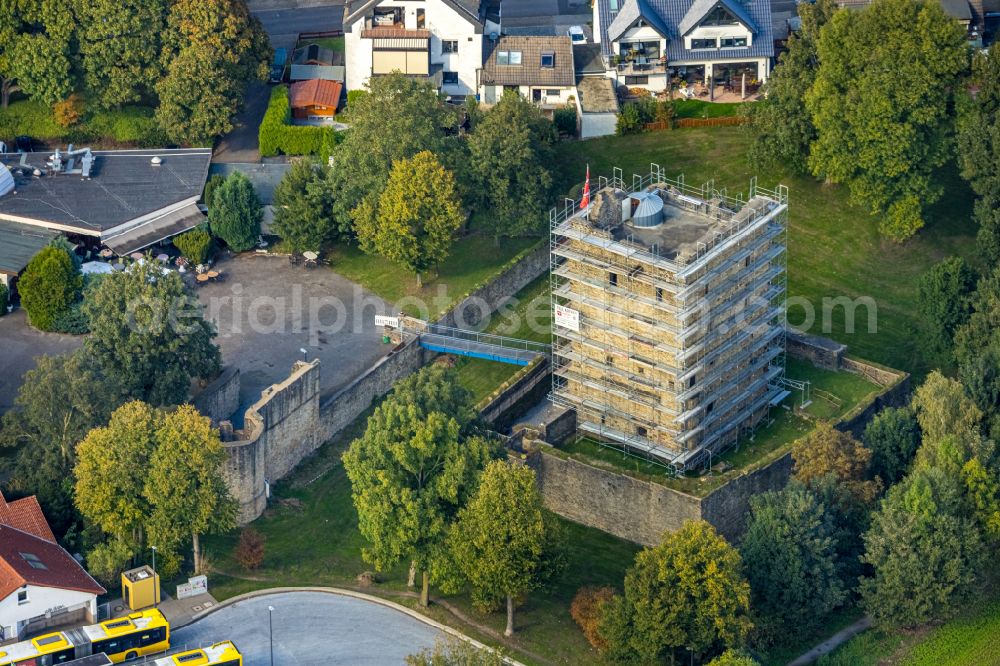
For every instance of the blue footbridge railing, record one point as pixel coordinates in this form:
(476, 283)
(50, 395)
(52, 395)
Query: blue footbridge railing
(491, 347)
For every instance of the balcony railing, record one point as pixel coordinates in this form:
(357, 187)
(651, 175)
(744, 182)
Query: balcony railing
(641, 65)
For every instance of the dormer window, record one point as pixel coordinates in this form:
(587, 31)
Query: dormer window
(719, 16)
(508, 57)
(703, 44)
(548, 60)
(733, 42)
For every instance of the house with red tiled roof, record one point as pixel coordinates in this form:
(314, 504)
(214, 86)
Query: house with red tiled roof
(315, 98)
(41, 585)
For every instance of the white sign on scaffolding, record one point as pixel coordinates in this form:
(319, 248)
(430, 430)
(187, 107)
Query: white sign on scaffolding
(567, 317)
(387, 321)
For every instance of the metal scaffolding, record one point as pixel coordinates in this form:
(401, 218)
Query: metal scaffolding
(670, 354)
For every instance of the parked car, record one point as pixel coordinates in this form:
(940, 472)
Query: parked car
(577, 35)
(278, 65)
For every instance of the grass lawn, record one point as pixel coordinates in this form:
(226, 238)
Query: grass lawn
(312, 536)
(696, 108)
(335, 44)
(972, 638)
(529, 317)
(473, 260)
(129, 126)
(847, 389)
(834, 249)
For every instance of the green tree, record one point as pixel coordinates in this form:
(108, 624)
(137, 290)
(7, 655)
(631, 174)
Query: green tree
(982, 489)
(57, 404)
(789, 553)
(211, 50)
(410, 473)
(944, 303)
(828, 451)
(510, 157)
(783, 129)
(979, 126)
(416, 118)
(687, 592)
(303, 207)
(456, 652)
(926, 554)
(881, 106)
(943, 409)
(498, 540)
(49, 287)
(236, 213)
(148, 335)
(977, 350)
(119, 46)
(185, 485)
(35, 41)
(734, 658)
(111, 471)
(893, 436)
(195, 245)
(417, 215)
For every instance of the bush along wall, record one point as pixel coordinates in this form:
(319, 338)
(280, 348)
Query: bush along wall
(278, 136)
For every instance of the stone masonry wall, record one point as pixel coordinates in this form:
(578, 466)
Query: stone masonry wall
(221, 398)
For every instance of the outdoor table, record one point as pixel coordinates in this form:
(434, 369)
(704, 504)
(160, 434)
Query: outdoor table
(202, 277)
(310, 255)
(106, 252)
(136, 255)
(211, 275)
(162, 258)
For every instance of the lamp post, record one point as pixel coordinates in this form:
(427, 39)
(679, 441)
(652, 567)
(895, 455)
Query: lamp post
(691, 652)
(270, 632)
(156, 584)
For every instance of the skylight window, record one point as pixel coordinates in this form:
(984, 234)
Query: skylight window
(549, 59)
(33, 560)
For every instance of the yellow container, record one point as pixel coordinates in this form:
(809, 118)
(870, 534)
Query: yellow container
(140, 587)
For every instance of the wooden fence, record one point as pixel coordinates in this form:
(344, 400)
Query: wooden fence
(697, 122)
(318, 35)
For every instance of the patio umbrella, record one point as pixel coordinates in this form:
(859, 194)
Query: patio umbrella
(136, 255)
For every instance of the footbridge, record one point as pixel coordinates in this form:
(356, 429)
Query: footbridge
(474, 344)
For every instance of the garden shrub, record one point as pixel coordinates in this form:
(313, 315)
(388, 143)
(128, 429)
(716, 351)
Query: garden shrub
(249, 550)
(235, 213)
(210, 187)
(4, 296)
(354, 95)
(276, 135)
(195, 245)
(50, 285)
(131, 124)
(586, 612)
(629, 120)
(68, 112)
(565, 121)
(73, 320)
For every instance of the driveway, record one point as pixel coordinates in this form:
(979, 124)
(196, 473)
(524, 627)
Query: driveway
(267, 310)
(18, 349)
(283, 20)
(312, 628)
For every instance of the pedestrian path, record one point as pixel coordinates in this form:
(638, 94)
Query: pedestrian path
(833, 642)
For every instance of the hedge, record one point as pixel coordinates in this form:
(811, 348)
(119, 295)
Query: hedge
(277, 135)
(134, 125)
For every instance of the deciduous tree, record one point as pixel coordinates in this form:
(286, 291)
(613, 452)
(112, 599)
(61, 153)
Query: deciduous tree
(148, 336)
(926, 554)
(881, 106)
(510, 155)
(687, 592)
(35, 40)
(119, 47)
(498, 540)
(49, 287)
(977, 350)
(58, 403)
(828, 451)
(893, 436)
(398, 118)
(943, 409)
(303, 207)
(185, 485)
(236, 213)
(410, 474)
(979, 126)
(944, 302)
(789, 550)
(456, 652)
(417, 215)
(734, 658)
(780, 121)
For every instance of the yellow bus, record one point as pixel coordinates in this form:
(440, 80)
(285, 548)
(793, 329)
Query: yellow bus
(121, 639)
(220, 654)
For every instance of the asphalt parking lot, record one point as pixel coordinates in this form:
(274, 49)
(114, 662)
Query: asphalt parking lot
(21, 344)
(312, 629)
(267, 310)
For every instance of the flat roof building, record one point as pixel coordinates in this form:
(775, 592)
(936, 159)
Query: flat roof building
(669, 305)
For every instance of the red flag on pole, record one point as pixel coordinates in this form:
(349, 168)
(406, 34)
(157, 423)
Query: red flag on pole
(585, 201)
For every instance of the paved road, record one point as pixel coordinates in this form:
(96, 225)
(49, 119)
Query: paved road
(833, 642)
(313, 628)
(284, 24)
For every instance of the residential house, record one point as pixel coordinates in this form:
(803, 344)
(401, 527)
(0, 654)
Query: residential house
(124, 199)
(440, 41)
(540, 68)
(314, 99)
(41, 585)
(645, 43)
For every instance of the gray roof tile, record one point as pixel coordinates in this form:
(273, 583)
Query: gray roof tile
(530, 72)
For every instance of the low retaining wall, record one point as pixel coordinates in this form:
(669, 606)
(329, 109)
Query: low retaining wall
(523, 387)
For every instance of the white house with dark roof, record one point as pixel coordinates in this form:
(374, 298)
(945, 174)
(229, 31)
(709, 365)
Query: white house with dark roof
(437, 40)
(647, 42)
(540, 68)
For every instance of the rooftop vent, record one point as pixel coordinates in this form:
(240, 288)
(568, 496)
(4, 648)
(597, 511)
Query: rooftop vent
(156, 161)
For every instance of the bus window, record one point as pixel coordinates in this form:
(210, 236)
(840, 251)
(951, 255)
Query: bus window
(152, 636)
